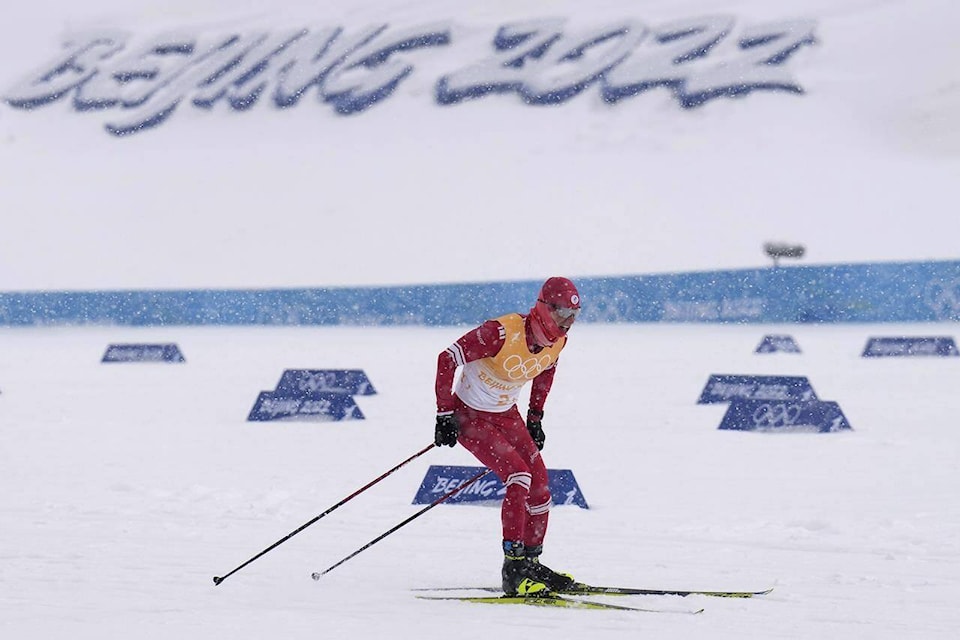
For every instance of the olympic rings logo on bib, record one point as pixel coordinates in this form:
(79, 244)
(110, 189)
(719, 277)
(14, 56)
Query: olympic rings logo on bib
(520, 369)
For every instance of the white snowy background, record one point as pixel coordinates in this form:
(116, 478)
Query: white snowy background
(861, 167)
(125, 488)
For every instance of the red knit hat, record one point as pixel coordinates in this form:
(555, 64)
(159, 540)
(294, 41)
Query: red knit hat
(558, 295)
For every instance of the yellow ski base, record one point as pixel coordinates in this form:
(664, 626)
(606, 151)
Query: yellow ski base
(552, 601)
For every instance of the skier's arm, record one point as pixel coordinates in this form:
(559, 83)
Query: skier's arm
(483, 342)
(540, 389)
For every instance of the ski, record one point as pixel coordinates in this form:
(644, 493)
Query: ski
(554, 601)
(581, 589)
(585, 589)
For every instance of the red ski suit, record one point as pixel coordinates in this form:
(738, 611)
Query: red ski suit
(498, 358)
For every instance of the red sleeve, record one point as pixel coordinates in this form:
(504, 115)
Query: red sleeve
(540, 388)
(483, 342)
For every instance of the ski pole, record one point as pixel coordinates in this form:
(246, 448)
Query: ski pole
(219, 579)
(316, 575)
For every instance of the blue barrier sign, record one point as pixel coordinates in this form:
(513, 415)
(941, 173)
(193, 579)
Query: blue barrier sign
(319, 407)
(812, 416)
(307, 383)
(774, 344)
(442, 479)
(724, 388)
(143, 353)
(907, 346)
(867, 292)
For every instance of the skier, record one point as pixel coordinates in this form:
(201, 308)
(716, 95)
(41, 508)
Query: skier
(498, 358)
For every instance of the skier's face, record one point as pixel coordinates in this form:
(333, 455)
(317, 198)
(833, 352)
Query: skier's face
(563, 316)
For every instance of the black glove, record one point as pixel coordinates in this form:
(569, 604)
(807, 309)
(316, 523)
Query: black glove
(535, 427)
(447, 431)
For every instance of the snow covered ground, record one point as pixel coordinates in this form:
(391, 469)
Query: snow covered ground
(127, 487)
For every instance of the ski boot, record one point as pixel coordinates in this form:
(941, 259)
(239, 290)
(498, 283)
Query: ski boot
(538, 571)
(517, 579)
